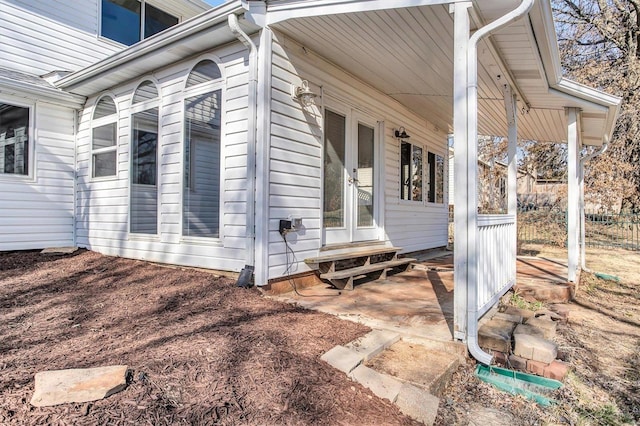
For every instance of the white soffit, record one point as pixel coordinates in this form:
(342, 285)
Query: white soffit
(407, 54)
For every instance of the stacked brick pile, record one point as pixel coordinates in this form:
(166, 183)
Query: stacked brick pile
(523, 340)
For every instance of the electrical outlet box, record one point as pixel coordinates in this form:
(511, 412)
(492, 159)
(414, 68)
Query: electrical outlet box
(285, 226)
(296, 223)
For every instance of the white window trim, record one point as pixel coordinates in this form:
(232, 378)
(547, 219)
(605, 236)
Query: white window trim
(444, 178)
(102, 121)
(31, 176)
(134, 109)
(424, 150)
(206, 87)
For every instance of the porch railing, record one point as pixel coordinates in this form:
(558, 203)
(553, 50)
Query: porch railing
(496, 258)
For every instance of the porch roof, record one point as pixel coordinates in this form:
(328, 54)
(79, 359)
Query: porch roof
(402, 48)
(405, 49)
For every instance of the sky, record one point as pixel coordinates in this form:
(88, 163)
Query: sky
(214, 2)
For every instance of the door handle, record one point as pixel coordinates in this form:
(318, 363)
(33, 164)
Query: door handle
(352, 180)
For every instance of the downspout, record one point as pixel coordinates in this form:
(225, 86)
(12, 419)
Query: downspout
(472, 135)
(246, 275)
(583, 160)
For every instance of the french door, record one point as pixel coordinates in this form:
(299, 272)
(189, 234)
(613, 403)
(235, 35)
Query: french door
(350, 176)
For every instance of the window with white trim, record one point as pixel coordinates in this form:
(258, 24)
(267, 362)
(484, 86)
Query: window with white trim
(103, 139)
(144, 160)
(436, 178)
(14, 139)
(202, 122)
(411, 179)
(129, 21)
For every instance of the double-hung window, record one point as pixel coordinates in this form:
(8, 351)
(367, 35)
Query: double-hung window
(104, 139)
(144, 160)
(14, 139)
(129, 21)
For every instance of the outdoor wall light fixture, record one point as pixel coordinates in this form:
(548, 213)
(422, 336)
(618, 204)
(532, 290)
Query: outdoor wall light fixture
(401, 133)
(303, 93)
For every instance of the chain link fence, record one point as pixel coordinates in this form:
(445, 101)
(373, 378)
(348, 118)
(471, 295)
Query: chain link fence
(549, 226)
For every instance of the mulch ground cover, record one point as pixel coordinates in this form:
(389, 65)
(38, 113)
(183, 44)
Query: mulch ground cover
(200, 350)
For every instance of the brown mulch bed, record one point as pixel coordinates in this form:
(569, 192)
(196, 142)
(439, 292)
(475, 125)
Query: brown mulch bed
(200, 350)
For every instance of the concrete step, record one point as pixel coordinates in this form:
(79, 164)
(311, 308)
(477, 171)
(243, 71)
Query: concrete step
(406, 373)
(417, 365)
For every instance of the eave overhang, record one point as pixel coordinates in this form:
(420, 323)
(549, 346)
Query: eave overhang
(12, 86)
(198, 34)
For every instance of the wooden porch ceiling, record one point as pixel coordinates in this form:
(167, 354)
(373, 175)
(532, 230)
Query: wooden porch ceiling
(408, 54)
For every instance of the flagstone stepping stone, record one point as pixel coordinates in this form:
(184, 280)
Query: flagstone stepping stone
(78, 385)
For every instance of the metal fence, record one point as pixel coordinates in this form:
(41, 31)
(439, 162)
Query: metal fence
(549, 226)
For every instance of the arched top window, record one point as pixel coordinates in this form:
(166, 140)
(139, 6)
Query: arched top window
(203, 72)
(105, 107)
(103, 140)
(146, 91)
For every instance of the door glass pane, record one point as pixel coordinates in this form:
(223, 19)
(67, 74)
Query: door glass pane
(334, 157)
(365, 175)
(144, 190)
(201, 204)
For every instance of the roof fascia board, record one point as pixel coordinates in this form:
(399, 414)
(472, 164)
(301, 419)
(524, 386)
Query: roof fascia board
(544, 31)
(176, 34)
(282, 11)
(595, 98)
(52, 95)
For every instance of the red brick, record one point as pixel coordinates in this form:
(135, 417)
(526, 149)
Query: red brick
(556, 370)
(536, 367)
(500, 358)
(518, 363)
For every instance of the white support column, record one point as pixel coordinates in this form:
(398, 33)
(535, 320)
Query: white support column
(461, 145)
(511, 109)
(573, 197)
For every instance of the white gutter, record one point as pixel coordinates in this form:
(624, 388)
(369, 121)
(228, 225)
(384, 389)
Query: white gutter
(45, 94)
(583, 160)
(472, 135)
(244, 279)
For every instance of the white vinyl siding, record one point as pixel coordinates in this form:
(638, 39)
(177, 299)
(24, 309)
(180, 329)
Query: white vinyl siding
(296, 149)
(37, 210)
(103, 206)
(41, 36)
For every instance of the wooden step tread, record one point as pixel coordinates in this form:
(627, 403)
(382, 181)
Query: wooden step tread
(362, 270)
(351, 255)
